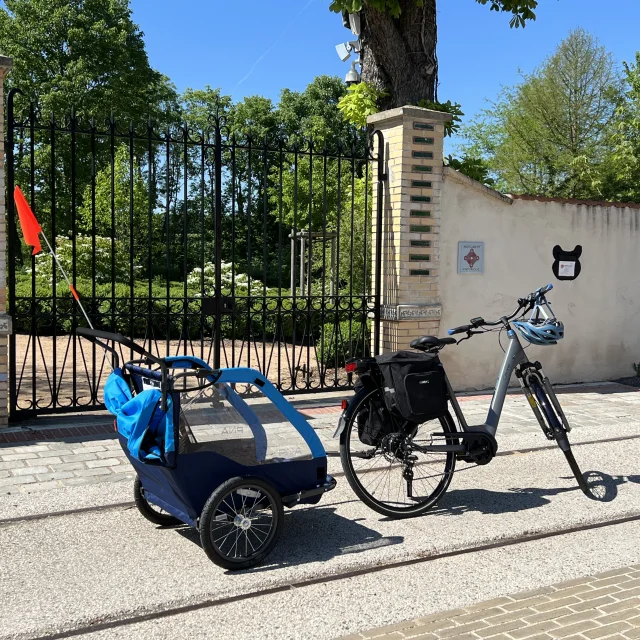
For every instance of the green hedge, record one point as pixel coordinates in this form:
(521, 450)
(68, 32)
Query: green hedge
(335, 346)
(138, 316)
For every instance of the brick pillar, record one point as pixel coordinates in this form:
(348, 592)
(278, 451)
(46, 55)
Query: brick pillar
(411, 223)
(5, 320)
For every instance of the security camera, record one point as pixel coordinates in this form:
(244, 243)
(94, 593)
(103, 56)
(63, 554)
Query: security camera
(352, 77)
(354, 23)
(343, 51)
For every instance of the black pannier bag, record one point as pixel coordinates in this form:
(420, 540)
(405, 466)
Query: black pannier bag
(371, 426)
(414, 385)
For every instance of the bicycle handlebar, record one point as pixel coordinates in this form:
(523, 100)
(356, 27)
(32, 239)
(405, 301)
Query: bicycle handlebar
(523, 303)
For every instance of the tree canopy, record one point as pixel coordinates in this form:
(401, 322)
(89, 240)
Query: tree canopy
(85, 53)
(551, 133)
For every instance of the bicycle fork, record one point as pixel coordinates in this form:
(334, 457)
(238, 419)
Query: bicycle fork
(552, 419)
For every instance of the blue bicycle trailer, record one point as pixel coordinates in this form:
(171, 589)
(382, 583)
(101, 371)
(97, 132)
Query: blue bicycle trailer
(202, 454)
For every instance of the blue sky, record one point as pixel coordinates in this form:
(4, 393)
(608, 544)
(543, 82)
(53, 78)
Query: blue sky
(250, 47)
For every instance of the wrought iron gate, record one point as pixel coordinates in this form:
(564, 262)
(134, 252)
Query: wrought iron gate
(241, 251)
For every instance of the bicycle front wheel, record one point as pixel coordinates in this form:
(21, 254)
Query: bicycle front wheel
(390, 471)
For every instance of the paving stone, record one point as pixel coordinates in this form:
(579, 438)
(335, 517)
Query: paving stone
(495, 602)
(109, 453)
(593, 604)
(394, 635)
(40, 461)
(625, 595)
(512, 615)
(580, 589)
(62, 446)
(89, 448)
(492, 630)
(15, 480)
(581, 616)
(8, 457)
(481, 614)
(437, 625)
(92, 472)
(612, 573)
(460, 629)
(109, 462)
(24, 471)
(608, 630)
(70, 466)
(536, 601)
(80, 457)
(617, 580)
(34, 448)
(532, 630)
(629, 584)
(52, 453)
(13, 464)
(557, 604)
(610, 618)
(548, 615)
(525, 595)
(57, 475)
(5, 474)
(620, 605)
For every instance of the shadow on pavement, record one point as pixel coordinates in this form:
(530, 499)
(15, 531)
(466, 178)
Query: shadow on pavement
(457, 501)
(313, 535)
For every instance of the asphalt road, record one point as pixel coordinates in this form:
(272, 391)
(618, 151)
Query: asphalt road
(65, 573)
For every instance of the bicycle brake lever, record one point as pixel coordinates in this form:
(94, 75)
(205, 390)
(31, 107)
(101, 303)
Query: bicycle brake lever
(469, 334)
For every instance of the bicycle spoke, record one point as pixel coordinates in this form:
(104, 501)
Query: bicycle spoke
(397, 462)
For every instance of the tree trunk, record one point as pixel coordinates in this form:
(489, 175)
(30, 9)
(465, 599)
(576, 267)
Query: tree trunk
(399, 54)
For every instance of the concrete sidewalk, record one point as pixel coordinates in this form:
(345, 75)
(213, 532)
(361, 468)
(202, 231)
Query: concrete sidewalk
(70, 565)
(48, 458)
(604, 605)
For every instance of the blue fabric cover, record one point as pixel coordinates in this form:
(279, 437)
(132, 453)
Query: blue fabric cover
(149, 431)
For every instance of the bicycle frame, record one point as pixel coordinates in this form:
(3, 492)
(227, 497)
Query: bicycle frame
(515, 360)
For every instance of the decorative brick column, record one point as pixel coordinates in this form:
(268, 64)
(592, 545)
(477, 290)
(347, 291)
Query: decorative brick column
(5, 320)
(411, 222)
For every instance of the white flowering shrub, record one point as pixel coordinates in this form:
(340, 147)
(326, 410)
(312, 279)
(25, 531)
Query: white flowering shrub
(47, 273)
(207, 276)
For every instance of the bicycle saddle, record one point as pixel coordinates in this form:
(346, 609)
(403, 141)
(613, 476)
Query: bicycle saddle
(429, 342)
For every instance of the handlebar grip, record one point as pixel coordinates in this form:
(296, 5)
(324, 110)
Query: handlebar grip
(463, 329)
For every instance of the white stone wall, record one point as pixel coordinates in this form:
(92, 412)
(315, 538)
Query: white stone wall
(600, 309)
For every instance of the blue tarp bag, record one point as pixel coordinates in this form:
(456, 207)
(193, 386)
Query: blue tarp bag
(148, 429)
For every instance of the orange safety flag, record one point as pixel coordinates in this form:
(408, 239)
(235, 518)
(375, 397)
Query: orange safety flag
(30, 226)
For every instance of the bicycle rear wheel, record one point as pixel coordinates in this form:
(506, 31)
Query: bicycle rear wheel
(392, 474)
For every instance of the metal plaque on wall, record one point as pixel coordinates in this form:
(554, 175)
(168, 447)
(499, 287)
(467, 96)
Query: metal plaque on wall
(471, 257)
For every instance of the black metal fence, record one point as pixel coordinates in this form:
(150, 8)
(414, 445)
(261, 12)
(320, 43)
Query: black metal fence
(241, 251)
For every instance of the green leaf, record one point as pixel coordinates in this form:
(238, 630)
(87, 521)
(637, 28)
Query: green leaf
(360, 102)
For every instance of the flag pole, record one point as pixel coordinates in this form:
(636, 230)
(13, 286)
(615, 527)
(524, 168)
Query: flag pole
(31, 230)
(74, 293)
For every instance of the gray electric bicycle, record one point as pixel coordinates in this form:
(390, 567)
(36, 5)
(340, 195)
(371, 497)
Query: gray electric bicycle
(398, 441)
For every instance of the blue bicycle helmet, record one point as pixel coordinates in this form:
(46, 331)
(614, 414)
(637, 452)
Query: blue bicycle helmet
(542, 328)
(545, 333)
